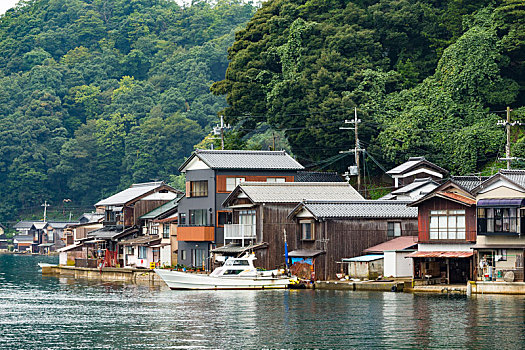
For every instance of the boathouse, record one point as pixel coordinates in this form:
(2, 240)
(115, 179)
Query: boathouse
(446, 233)
(344, 229)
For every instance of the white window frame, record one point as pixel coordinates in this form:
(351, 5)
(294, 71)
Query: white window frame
(447, 224)
(232, 182)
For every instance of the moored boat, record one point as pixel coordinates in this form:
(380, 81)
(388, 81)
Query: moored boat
(236, 273)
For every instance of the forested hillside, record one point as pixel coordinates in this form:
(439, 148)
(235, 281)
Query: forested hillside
(429, 78)
(97, 94)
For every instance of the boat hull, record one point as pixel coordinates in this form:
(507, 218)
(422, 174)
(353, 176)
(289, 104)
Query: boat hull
(183, 280)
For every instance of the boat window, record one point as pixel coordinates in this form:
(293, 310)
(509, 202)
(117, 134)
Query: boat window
(232, 272)
(241, 263)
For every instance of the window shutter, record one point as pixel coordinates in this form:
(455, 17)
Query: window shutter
(188, 189)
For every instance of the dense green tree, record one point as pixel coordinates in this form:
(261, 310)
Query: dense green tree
(96, 94)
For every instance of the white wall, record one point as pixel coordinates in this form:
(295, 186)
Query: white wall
(62, 258)
(444, 247)
(165, 255)
(396, 265)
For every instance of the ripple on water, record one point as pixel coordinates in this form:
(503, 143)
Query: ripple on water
(59, 313)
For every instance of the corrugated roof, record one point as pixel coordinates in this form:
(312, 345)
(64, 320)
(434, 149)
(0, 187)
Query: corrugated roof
(398, 243)
(111, 232)
(412, 163)
(241, 159)
(458, 197)
(361, 209)
(363, 258)
(296, 192)
(161, 210)
(316, 176)
(142, 241)
(135, 191)
(447, 254)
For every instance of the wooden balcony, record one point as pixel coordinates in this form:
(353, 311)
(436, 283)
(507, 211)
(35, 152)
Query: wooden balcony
(196, 233)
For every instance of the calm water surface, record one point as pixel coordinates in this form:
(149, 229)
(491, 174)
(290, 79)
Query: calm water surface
(60, 313)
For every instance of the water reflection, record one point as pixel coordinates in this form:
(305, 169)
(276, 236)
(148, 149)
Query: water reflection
(63, 313)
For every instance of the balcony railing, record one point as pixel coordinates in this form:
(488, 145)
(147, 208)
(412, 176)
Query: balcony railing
(501, 226)
(239, 231)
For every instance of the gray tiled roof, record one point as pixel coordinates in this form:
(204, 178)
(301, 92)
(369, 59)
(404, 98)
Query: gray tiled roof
(60, 224)
(23, 238)
(296, 192)
(515, 175)
(240, 159)
(136, 190)
(316, 176)
(468, 182)
(24, 224)
(412, 163)
(361, 209)
(414, 185)
(92, 217)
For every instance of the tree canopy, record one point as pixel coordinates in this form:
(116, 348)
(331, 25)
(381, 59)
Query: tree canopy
(427, 77)
(98, 94)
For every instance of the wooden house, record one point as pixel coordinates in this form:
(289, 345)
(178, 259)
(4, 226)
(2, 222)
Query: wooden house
(326, 232)
(3, 242)
(122, 212)
(446, 233)
(261, 220)
(154, 226)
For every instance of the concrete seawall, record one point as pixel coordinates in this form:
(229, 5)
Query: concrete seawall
(479, 287)
(369, 286)
(106, 274)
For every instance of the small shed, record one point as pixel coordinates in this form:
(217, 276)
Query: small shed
(394, 252)
(365, 266)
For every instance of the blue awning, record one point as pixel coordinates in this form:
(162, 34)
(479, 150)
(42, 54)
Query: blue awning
(501, 203)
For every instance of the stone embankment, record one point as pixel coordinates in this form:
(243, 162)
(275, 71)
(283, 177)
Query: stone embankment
(105, 274)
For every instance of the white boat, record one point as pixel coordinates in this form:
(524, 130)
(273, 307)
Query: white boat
(236, 273)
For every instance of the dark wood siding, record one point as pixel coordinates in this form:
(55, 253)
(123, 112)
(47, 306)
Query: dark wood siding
(438, 203)
(339, 238)
(143, 207)
(274, 221)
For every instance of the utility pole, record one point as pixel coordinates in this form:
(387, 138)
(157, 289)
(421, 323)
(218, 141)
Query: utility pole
(219, 130)
(507, 146)
(357, 148)
(45, 205)
(507, 125)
